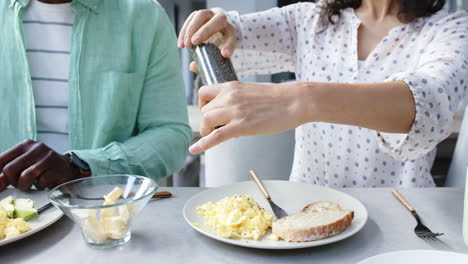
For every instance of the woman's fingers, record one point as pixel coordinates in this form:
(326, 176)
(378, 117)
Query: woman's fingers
(214, 138)
(223, 95)
(180, 41)
(213, 119)
(229, 42)
(194, 67)
(205, 25)
(206, 94)
(199, 19)
(216, 24)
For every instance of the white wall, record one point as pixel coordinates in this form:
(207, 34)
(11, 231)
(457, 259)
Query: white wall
(242, 6)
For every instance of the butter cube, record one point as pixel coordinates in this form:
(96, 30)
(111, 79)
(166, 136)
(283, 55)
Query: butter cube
(107, 212)
(114, 227)
(84, 213)
(114, 195)
(94, 230)
(124, 213)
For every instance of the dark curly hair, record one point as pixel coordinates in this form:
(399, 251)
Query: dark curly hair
(410, 10)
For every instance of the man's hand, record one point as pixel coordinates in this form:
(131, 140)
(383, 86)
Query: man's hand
(32, 163)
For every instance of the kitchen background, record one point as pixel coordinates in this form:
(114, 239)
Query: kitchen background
(271, 156)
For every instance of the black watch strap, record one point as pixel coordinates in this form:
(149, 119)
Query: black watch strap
(79, 164)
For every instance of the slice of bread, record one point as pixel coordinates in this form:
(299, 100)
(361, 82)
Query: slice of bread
(316, 221)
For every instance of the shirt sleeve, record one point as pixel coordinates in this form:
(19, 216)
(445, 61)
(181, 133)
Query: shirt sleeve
(438, 85)
(267, 40)
(161, 143)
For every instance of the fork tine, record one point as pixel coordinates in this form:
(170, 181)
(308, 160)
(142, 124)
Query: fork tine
(432, 240)
(437, 242)
(427, 234)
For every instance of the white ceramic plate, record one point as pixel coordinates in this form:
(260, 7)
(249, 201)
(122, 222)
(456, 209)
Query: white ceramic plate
(39, 222)
(291, 196)
(418, 256)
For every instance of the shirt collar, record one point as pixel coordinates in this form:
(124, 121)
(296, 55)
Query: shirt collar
(91, 4)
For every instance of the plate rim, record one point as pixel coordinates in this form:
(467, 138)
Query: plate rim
(293, 245)
(409, 250)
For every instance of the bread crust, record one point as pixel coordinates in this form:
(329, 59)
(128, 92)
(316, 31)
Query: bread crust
(313, 233)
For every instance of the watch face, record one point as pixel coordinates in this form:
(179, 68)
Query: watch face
(79, 162)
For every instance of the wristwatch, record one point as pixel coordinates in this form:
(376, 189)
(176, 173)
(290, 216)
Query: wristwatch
(80, 167)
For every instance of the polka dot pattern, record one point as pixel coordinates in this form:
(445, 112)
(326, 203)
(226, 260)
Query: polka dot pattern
(430, 55)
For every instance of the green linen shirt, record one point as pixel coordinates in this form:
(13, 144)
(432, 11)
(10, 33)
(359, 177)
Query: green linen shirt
(127, 111)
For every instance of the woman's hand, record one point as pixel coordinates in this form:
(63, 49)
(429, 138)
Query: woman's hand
(32, 163)
(206, 24)
(244, 109)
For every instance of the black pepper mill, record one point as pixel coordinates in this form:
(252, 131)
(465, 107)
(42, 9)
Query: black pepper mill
(212, 66)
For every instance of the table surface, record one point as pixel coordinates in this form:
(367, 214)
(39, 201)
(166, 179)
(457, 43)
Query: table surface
(161, 235)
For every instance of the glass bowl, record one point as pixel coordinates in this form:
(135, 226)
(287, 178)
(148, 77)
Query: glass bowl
(105, 219)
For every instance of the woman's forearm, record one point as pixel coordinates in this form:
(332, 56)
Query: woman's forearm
(385, 107)
(237, 109)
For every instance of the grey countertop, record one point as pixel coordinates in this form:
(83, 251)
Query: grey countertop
(160, 234)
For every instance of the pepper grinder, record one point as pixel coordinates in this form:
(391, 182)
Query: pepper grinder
(212, 66)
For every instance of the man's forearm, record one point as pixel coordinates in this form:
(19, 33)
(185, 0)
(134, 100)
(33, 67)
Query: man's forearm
(386, 107)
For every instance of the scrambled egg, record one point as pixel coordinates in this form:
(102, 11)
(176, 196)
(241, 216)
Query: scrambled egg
(238, 216)
(10, 228)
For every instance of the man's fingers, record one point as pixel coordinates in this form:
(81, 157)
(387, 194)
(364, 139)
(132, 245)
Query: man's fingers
(3, 182)
(13, 169)
(207, 93)
(181, 39)
(50, 180)
(229, 43)
(43, 181)
(39, 185)
(214, 138)
(216, 24)
(199, 19)
(29, 176)
(214, 119)
(194, 67)
(11, 154)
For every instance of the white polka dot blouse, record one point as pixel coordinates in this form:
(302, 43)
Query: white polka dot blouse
(429, 54)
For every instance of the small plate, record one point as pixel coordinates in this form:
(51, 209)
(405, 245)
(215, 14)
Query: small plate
(38, 222)
(291, 196)
(418, 256)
